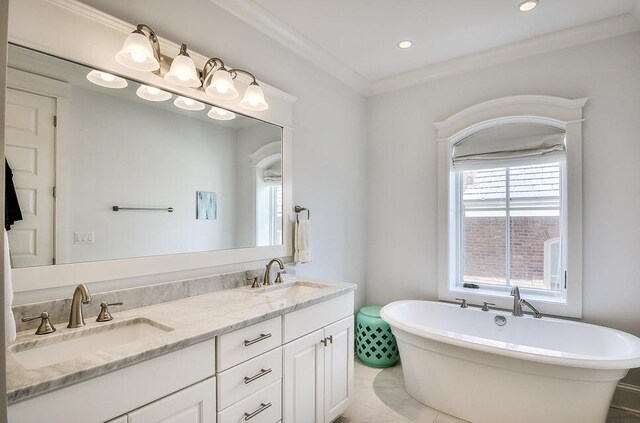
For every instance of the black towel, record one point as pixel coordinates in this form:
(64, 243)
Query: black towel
(12, 212)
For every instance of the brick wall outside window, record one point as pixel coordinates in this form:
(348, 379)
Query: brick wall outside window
(484, 249)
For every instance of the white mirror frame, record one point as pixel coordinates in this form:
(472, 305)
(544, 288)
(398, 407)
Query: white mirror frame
(558, 112)
(52, 26)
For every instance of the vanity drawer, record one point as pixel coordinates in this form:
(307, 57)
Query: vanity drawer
(249, 377)
(249, 342)
(317, 316)
(265, 406)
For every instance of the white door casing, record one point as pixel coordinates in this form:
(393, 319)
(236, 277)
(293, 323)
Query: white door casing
(30, 151)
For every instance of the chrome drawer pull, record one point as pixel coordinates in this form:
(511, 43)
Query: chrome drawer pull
(261, 373)
(262, 337)
(263, 406)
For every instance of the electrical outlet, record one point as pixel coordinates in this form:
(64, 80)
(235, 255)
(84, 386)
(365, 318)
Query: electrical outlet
(83, 237)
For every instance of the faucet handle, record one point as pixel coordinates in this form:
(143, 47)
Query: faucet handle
(255, 282)
(45, 326)
(486, 305)
(104, 315)
(464, 302)
(279, 276)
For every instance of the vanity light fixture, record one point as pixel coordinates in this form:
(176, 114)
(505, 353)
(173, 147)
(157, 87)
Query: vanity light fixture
(141, 50)
(220, 114)
(405, 44)
(106, 80)
(528, 5)
(183, 71)
(253, 96)
(217, 80)
(152, 93)
(188, 104)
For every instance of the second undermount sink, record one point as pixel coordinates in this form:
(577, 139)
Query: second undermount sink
(62, 347)
(292, 290)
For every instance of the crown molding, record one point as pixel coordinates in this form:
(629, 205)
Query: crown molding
(571, 37)
(168, 47)
(269, 24)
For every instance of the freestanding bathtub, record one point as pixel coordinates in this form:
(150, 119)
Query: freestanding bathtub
(460, 361)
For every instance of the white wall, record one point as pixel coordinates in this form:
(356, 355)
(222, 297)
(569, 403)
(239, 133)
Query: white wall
(329, 121)
(402, 201)
(127, 153)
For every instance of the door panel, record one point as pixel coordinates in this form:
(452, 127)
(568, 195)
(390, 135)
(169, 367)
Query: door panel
(304, 379)
(195, 404)
(339, 362)
(30, 151)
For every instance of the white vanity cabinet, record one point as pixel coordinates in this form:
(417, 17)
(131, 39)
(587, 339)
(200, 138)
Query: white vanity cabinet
(195, 404)
(318, 366)
(164, 381)
(293, 368)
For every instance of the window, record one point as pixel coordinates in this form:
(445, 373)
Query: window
(275, 210)
(510, 203)
(510, 226)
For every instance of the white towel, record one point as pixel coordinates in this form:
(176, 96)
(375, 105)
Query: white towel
(9, 321)
(302, 242)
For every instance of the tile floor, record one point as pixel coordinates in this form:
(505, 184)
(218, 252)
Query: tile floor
(380, 398)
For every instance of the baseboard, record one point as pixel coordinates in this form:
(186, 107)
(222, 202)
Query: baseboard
(627, 398)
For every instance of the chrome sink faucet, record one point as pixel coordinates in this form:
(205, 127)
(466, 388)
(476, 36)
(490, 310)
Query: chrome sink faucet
(518, 302)
(266, 280)
(81, 296)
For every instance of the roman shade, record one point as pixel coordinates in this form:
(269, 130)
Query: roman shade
(513, 145)
(273, 176)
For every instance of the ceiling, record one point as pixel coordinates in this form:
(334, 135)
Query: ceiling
(363, 34)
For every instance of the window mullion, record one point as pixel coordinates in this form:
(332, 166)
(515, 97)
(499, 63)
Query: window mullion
(508, 228)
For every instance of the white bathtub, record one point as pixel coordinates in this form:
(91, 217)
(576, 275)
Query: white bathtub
(547, 370)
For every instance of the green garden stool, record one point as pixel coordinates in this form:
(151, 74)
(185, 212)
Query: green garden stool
(375, 343)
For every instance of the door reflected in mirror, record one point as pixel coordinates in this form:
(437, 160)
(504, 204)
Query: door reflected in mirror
(106, 168)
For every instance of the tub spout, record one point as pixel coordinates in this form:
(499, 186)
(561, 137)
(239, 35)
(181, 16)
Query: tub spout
(517, 304)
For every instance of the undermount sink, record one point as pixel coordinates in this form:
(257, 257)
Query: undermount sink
(62, 347)
(292, 290)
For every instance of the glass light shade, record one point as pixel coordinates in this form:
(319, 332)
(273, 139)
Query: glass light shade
(254, 99)
(221, 86)
(152, 93)
(528, 5)
(220, 114)
(183, 72)
(137, 53)
(106, 80)
(188, 104)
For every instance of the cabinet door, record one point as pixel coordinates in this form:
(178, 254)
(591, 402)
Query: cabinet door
(338, 368)
(304, 379)
(195, 404)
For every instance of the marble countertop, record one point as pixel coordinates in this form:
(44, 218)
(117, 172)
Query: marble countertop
(193, 320)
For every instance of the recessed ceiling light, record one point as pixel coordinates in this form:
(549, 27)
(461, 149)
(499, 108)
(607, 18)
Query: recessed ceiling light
(405, 44)
(528, 5)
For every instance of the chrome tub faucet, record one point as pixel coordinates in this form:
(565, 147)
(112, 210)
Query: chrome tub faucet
(518, 302)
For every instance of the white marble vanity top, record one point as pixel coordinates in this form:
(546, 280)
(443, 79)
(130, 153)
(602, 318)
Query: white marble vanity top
(191, 320)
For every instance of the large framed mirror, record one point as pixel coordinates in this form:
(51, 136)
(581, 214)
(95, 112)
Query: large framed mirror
(107, 168)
